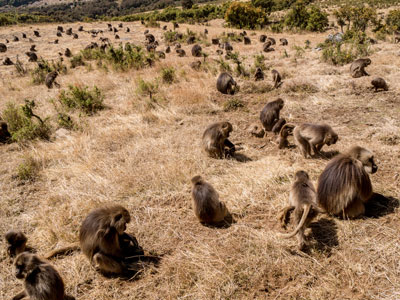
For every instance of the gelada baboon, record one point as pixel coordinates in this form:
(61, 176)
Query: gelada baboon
(196, 50)
(51, 79)
(181, 52)
(313, 136)
(42, 281)
(191, 40)
(276, 78)
(247, 40)
(60, 28)
(302, 199)
(379, 83)
(215, 41)
(104, 241)
(32, 56)
(357, 68)
(256, 130)
(16, 242)
(8, 62)
(33, 48)
(283, 41)
(278, 126)
(215, 140)
(259, 75)
(263, 37)
(285, 132)
(344, 186)
(207, 207)
(59, 34)
(36, 33)
(226, 84)
(68, 52)
(269, 115)
(3, 48)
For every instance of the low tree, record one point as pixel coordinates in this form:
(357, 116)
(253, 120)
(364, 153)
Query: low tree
(245, 15)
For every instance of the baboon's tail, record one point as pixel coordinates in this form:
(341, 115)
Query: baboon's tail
(62, 251)
(301, 223)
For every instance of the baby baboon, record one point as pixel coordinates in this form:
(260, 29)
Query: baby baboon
(196, 50)
(24, 35)
(344, 186)
(247, 40)
(285, 132)
(15, 39)
(33, 48)
(168, 49)
(7, 62)
(215, 41)
(207, 207)
(226, 84)
(75, 36)
(302, 199)
(215, 140)
(270, 113)
(69, 31)
(104, 241)
(276, 78)
(180, 52)
(42, 281)
(191, 40)
(357, 68)
(263, 37)
(259, 75)
(80, 28)
(313, 136)
(379, 83)
(36, 33)
(278, 126)
(17, 242)
(32, 56)
(3, 48)
(283, 41)
(59, 34)
(68, 53)
(60, 28)
(50, 79)
(256, 130)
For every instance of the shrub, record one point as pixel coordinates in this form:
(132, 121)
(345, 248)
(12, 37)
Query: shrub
(22, 125)
(244, 15)
(168, 75)
(145, 88)
(88, 101)
(44, 67)
(233, 104)
(76, 61)
(301, 17)
(65, 121)
(393, 19)
(317, 20)
(357, 18)
(267, 5)
(187, 4)
(28, 169)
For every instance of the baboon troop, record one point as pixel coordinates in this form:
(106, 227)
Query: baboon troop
(104, 241)
(196, 50)
(313, 137)
(269, 115)
(379, 83)
(344, 186)
(42, 281)
(357, 68)
(207, 207)
(226, 84)
(215, 140)
(303, 203)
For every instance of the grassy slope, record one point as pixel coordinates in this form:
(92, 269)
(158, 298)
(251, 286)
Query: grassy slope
(144, 159)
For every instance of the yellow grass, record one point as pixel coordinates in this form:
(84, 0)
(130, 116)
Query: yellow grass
(143, 158)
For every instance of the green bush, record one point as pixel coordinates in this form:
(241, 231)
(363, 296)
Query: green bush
(267, 5)
(88, 101)
(306, 18)
(168, 75)
(244, 15)
(44, 67)
(233, 104)
(65, 121)
(344, 53)
(357, 18)
(317, 20)
(25, 125)
(28, 170)
(393, 19)
(76, 61)
(146, 88)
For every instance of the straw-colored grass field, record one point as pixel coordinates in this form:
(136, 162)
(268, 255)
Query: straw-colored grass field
(144, 157)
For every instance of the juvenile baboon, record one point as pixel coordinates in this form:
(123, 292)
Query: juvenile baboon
(215, 41)
(207, 207)
(276, 78)
(50, 79)
(7, 62)
(3, 48)
(150, 38)
(178, 46)
(16, 39)
(302, 199)
(60, 28)
(196, 50)
(215, 140)
(120, 25)
(56, 41)
(128, 30)
(278, 126)
(313, 136)
(104, 241)
(16, 242)
(263, 37)
(59, 34)
(256, 130)
(116, 37)
(42, 281)
(75, 36)
(270, 113)
(180, 52)
(344, 186)
(196, 65)
(219, 52)
(228, 47)
(247, 40)
(285, 132)
(226, 84)
(168, 49)
(379, 83)
(259, 75)
(283, 41)
(357, 68)
(36, 33)
(160, 54)
(33, 48)
(115, 30)
(32, 56)
(191, 40)
(68, 53)
(80, 28)
(24, 35)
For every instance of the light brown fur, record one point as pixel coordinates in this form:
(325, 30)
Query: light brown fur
(357, 68)
(215, 140)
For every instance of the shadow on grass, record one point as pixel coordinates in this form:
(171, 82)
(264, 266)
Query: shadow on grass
(324, 232)
(379, 206)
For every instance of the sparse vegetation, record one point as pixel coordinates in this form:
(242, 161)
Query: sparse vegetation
(28, 169)
(168, 75)
(82, 98)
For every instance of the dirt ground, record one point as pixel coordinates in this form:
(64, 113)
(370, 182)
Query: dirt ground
(143, 158)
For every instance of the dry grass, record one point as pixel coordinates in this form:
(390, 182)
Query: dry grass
(143, 157)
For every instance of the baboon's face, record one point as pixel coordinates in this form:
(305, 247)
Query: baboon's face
(22, 263)
(301, 175)
(227, 129)
(367, 62)
(369, 164)
(332, 139)
(120, 220)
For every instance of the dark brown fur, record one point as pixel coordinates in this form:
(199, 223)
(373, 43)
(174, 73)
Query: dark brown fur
(51, 79)
(226, 84)
(276, 78)
(4, 133)
(16, 242)
(278, 126)
(196, 50)
(215, 140)
(379, 83)
(285, 132)
(270, 113)
(344, 186)
(259, 75)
